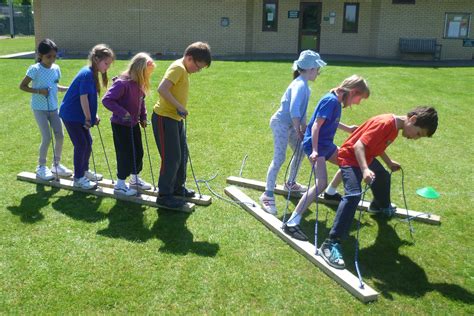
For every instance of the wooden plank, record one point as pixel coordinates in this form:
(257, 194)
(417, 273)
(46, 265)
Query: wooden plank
(100, 191)
(203, 200)
(344, 277)
(364, 205)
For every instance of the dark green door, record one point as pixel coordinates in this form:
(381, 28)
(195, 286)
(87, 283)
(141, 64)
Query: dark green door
(310, 26)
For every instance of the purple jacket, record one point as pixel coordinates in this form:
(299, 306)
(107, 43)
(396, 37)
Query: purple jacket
(125, 96)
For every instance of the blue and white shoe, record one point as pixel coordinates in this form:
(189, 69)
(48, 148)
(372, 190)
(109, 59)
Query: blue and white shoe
(332, 254)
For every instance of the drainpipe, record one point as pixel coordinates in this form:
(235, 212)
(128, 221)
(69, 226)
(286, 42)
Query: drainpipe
(12, 31)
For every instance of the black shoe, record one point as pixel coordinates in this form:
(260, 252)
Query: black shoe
(333, 197)
(387, 211)
(332, 254)
(185, 192)
(295, 232)
(168, 201)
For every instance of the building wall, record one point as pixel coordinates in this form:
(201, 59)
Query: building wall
(167, 27)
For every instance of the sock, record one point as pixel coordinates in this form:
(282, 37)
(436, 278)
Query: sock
(294, 220)
(269, 193)
(331, 191)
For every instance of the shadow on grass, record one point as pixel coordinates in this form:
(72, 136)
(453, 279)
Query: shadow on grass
(80, 206)
(171, 229)
(126, 222)
(393, 272)
(31, 205)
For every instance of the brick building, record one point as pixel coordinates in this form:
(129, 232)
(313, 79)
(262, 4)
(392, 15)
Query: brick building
(232, 27)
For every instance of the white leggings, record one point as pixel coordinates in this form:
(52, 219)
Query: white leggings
(44, 119)
(282, 135)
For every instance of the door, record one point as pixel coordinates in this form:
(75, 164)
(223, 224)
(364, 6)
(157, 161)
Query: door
(310, 26)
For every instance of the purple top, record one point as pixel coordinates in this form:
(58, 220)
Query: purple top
(125, 96)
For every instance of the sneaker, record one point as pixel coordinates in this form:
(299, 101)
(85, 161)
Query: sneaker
(185, 192)
(169, 201)
(61, 170)
(268, 204)
(295, 232)
(138, 182)
(333, 197)
(84, 183)
(44, 173)
(294, 187)
(89, 174)
(124, 189)
(331, 253)
(387, 211)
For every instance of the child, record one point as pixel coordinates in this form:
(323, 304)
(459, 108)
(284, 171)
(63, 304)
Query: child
(79, 112)
(357, 161)
(318, 143)
(126, 100)
(167, 122)
(44, 76)
(288, 125)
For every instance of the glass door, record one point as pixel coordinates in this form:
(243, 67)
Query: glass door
(310, 26)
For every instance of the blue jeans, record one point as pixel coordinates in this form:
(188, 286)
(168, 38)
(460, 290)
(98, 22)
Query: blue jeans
(352, 178)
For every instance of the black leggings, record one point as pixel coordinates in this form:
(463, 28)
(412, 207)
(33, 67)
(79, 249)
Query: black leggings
(124, 149)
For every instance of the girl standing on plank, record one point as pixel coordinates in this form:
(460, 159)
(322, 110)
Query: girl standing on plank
(44, 77)
(318, 143)
(288, 125)
(126, 100)
(79, 112)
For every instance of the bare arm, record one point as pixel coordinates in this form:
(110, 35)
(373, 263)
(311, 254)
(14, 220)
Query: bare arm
(347, 128)
(315, 138)
(86, 110)
(359, 151)
(393, 165)
(25, 86)
(164, 91)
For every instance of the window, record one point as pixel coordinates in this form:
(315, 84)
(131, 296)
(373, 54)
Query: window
(351, 18)
(403, 1)
(457, 25)
(270, 16)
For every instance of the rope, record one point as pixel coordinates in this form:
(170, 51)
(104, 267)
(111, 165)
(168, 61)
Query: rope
(56, 177)
(134, 156)
(186, 152)
(149, 159)
(105, 154)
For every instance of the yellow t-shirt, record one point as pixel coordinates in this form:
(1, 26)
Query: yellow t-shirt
(177, 74)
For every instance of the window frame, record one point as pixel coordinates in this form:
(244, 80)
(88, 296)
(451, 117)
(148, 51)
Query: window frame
(446, 14)
(344, 29)
(403, 1)
(265, 27)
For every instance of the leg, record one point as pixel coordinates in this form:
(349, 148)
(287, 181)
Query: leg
(182, 167)
(57, 126)
(123, 150)
(280, 142)
(381, 186)
(166, 135)
(41, 118)
(78, 138)
(298, 156)
(137, 134)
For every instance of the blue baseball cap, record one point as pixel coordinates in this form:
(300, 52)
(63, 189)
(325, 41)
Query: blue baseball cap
(308, 59)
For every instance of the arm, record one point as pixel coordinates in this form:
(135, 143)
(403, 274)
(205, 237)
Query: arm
(347, 128)
(25, 86)
(111, 101)
(315, 138)
(359, 151)
(393, 165)
(299, 127)
(86, 110)
(143, 121)
(164, 91)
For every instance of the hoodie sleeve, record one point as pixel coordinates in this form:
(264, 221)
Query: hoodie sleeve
(112, 97)
(143, 109)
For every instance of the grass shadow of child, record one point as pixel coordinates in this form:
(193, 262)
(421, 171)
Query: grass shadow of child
(80, 206)
(171, 229)
(30, 206)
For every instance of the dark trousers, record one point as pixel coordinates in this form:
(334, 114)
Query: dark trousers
(82, 141)
(170, 139)
(352, 178)
(129, 154)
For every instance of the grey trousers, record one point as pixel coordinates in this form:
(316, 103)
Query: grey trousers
(44, 120)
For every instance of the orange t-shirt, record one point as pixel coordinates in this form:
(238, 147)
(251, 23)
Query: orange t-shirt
(376, 134)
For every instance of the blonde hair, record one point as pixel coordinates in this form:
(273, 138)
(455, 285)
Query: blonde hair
(354, 82)
(137, 71)
(98, 53)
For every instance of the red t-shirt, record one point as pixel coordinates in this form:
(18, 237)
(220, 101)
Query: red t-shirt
(376, 134)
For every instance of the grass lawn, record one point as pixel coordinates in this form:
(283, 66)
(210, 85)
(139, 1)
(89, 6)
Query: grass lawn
(77, 253)
(17, 45)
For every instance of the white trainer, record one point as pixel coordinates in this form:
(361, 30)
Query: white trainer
(124, 189)
(136, 181)
(268, 204)
(61, 170)
(89, 174)
(84, 183)
(44, 173)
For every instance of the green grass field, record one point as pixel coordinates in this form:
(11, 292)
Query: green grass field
(17, 45)
(77, 253)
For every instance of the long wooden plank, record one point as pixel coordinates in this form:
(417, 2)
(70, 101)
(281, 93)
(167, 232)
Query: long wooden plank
(344, 277)
(364, 205)
(203, 200)
(100, 191)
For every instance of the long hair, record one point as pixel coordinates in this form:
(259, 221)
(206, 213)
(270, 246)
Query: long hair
(137, 71)
(44, 47)
(98, 53)
(354, 82)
